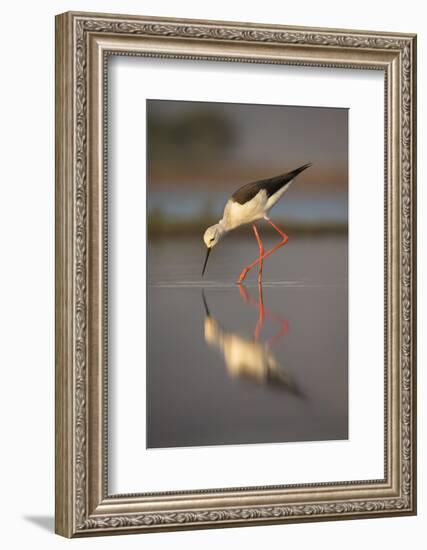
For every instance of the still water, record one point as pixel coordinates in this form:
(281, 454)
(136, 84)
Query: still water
(237, 365)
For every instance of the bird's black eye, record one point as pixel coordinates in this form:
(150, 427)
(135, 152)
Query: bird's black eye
(213, 238)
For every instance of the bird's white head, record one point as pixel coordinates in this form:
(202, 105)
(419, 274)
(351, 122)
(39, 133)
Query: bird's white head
(212, 237)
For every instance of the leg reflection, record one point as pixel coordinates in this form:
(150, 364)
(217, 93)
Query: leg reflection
(263, 313)
(250, 358)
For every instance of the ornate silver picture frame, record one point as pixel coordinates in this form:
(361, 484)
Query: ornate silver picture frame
(84, 42)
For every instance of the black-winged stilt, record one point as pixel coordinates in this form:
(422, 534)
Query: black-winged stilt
(248, 204)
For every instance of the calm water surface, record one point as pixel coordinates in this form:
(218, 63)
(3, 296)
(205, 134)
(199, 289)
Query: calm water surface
(230, 365)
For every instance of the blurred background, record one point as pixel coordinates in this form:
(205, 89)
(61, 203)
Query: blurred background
(200, 153)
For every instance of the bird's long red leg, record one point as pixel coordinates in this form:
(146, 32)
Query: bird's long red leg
(284, 240)
(261, 252)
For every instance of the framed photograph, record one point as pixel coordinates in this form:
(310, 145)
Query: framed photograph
(235, 274)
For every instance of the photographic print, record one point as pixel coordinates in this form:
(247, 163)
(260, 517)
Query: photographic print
(247, 293)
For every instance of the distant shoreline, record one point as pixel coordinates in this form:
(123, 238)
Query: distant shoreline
(160, 228)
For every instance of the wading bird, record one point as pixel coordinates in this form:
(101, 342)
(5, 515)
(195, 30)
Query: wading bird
(248, 204)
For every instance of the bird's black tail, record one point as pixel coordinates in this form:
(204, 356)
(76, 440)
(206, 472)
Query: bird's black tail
(300, 169)
(270, 185)
(273, 185)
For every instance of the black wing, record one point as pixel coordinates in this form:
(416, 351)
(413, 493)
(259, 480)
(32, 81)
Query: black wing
(271, 185)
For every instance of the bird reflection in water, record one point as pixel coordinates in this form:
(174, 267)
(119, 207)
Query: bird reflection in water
(251, 358)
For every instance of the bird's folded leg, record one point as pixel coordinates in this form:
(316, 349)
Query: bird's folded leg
(259, 260)
(261, 252)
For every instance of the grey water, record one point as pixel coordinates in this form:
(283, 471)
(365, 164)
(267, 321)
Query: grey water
(240, 365)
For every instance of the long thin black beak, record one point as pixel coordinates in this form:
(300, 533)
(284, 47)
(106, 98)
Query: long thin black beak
(205, 304)
(206, 260)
